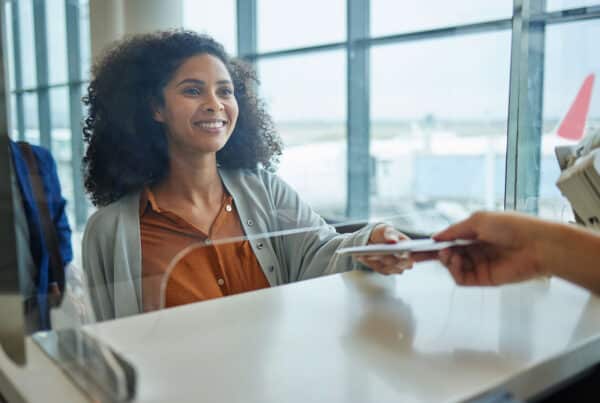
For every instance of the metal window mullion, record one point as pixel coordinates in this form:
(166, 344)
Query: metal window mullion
(246, 28)
(25, 90)
(75, 109)
(358, 119)
(41, 57)
(18, 62)
(523, 153)
(510, 185)
(296, 51)
(436, 33)
(554, 17)
(531, 108)
(566, 15)
(20, 115)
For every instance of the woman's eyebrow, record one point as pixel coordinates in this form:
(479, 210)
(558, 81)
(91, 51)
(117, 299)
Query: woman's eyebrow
(201, 82)
(190, 81)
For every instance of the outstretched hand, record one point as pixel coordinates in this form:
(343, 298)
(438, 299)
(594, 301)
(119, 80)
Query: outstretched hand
(386, 264)
(507, 250)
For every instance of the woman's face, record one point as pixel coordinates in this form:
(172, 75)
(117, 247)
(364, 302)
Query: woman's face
(200, 110)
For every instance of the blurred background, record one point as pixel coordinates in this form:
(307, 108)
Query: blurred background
(416, 112)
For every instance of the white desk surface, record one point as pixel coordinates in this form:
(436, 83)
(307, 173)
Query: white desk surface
(355, 337)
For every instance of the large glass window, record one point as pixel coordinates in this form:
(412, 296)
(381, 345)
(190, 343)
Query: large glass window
(435, 106)
(439, 102)
(294, 24)
(61, 143)
(438, 128)
(306, 96)
(14, 134)
(10, 48)
(27, 42)
(570, 57)
(56, 39)
(32, 126)
(392, 17)
(84, 38)
(216, 18)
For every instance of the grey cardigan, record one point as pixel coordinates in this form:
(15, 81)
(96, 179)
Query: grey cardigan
(290, 241)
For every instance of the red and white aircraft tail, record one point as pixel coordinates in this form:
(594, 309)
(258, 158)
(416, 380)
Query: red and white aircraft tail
(572, 126)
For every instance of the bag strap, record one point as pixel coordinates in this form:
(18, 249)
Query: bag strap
(48, 228)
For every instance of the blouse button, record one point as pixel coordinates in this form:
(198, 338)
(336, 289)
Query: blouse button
(271, 268)
(250, 222)
(260, 245)
(228, 208)
(220, 282)
(207, 241)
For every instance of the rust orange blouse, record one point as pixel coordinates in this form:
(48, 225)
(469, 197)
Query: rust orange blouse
(200, 273)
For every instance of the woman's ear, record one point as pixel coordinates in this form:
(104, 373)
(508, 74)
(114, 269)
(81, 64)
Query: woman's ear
(157, 111)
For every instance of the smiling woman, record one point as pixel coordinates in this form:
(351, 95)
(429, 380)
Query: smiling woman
(199, 110)
(179, 153)
(127, 143)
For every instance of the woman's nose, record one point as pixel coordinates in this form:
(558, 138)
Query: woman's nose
(213, 104)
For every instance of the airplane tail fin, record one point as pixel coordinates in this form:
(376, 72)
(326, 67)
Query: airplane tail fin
(573, 125)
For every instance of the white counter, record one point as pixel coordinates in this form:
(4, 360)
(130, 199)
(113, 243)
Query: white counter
(358, 337)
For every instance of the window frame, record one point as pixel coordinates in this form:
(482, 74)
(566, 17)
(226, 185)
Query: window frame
(527, 26)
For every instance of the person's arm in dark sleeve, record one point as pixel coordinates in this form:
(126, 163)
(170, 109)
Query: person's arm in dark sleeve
(57, 204)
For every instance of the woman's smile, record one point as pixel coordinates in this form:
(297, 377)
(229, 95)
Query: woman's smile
(212, 125)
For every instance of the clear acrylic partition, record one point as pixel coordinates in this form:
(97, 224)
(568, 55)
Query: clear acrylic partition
(100, 354)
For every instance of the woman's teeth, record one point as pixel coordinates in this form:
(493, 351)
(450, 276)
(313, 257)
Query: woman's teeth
(211, 125)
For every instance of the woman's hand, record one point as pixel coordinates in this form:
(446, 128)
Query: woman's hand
(386, 264)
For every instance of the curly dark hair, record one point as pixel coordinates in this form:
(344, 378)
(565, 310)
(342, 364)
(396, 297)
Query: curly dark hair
(127, 149)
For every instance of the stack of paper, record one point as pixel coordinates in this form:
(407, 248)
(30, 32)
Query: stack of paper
(419, 245)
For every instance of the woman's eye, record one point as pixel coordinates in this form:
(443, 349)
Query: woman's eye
(227, 91)
(191, 91)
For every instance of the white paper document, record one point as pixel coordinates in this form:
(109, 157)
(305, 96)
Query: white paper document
(418, 245)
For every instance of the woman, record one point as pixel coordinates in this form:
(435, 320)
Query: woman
(179, 152)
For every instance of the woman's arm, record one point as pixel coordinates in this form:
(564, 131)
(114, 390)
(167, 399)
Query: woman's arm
(95, 268)
(310, 248)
